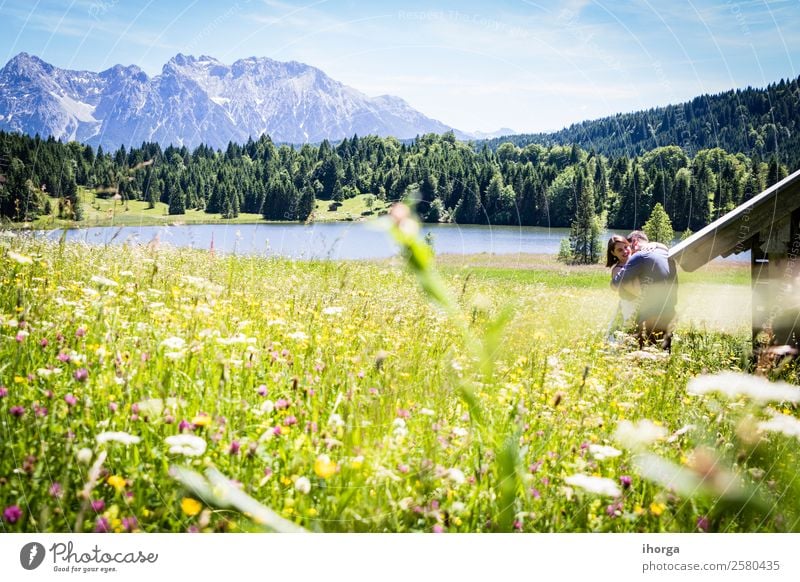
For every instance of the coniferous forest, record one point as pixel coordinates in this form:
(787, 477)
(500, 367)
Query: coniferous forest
(517, 182)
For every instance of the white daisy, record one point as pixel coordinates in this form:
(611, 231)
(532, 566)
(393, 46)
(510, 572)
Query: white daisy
(733, 384)
(186, 444)
(120, 437)
(601, 452)
(599, 485)
(642, 433)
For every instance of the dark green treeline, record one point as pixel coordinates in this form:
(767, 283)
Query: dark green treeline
(453, 181)
(762, 122)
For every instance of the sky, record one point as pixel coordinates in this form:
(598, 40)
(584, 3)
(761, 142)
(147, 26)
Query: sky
(474, 65)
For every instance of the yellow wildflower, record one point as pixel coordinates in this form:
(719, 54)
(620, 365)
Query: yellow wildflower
(117, 482)
(657, 508)
(324, 467)
(201, 420)
(191, 507)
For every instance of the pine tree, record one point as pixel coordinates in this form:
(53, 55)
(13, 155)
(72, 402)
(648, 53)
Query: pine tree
(177, 205)
(584, 236)
(658, 227)
(306, 205)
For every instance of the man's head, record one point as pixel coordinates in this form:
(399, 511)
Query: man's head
(637, 239)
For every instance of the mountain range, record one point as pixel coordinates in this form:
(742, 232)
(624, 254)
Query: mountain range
(197, 100)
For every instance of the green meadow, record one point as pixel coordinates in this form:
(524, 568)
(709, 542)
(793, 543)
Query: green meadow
(106, 211)
(159, 389)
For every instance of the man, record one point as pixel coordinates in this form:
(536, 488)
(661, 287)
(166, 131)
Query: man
(657, 276)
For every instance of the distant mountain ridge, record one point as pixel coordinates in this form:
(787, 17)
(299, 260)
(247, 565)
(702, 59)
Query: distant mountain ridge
(197, 100)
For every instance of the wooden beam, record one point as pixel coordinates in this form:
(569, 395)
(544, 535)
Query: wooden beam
(731, 233)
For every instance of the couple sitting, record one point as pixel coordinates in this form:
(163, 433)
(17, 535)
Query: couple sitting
(647, 281)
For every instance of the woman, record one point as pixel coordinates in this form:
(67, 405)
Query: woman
(617, 254)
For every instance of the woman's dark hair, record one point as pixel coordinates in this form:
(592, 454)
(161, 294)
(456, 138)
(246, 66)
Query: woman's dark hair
(611, 260)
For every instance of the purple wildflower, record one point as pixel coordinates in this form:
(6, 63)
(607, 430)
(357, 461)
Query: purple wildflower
(17, 411)
(403, 413)
(262, 390)
(234, 449)
(703, 523)
(63, 357)
(98, 505)
(626, 481)
(80, 332)
(184, 425)
(70, 399)
(290, 420)
(56, 490)
(129, 523)
(281, 403)
(3, 391)
(29, 464)
(102, 525)
(12, 513)
(43, 342)
(614, 510)
(438, 528)
(40, 410)
(81, 374)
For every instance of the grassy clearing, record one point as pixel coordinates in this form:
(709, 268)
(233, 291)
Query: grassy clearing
(350, 209)
(109, 212)
(336, 396)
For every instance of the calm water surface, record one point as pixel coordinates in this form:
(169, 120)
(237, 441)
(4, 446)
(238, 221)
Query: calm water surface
(330, 240)
(333, 240)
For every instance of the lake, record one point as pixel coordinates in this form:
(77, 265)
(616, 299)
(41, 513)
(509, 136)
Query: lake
(328, 240)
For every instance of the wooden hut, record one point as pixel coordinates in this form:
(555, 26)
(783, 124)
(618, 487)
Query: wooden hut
(768, 225)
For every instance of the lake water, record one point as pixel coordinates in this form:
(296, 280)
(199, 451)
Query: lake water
(328, 240)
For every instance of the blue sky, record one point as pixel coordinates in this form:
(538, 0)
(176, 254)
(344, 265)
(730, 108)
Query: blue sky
(529, 66)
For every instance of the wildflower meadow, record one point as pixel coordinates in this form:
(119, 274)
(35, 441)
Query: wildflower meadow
(159, 389)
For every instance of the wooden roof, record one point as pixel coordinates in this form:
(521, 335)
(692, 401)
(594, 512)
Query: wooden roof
(730, 233)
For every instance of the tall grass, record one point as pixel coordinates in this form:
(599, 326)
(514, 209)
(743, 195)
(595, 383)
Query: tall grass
(337, 397)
